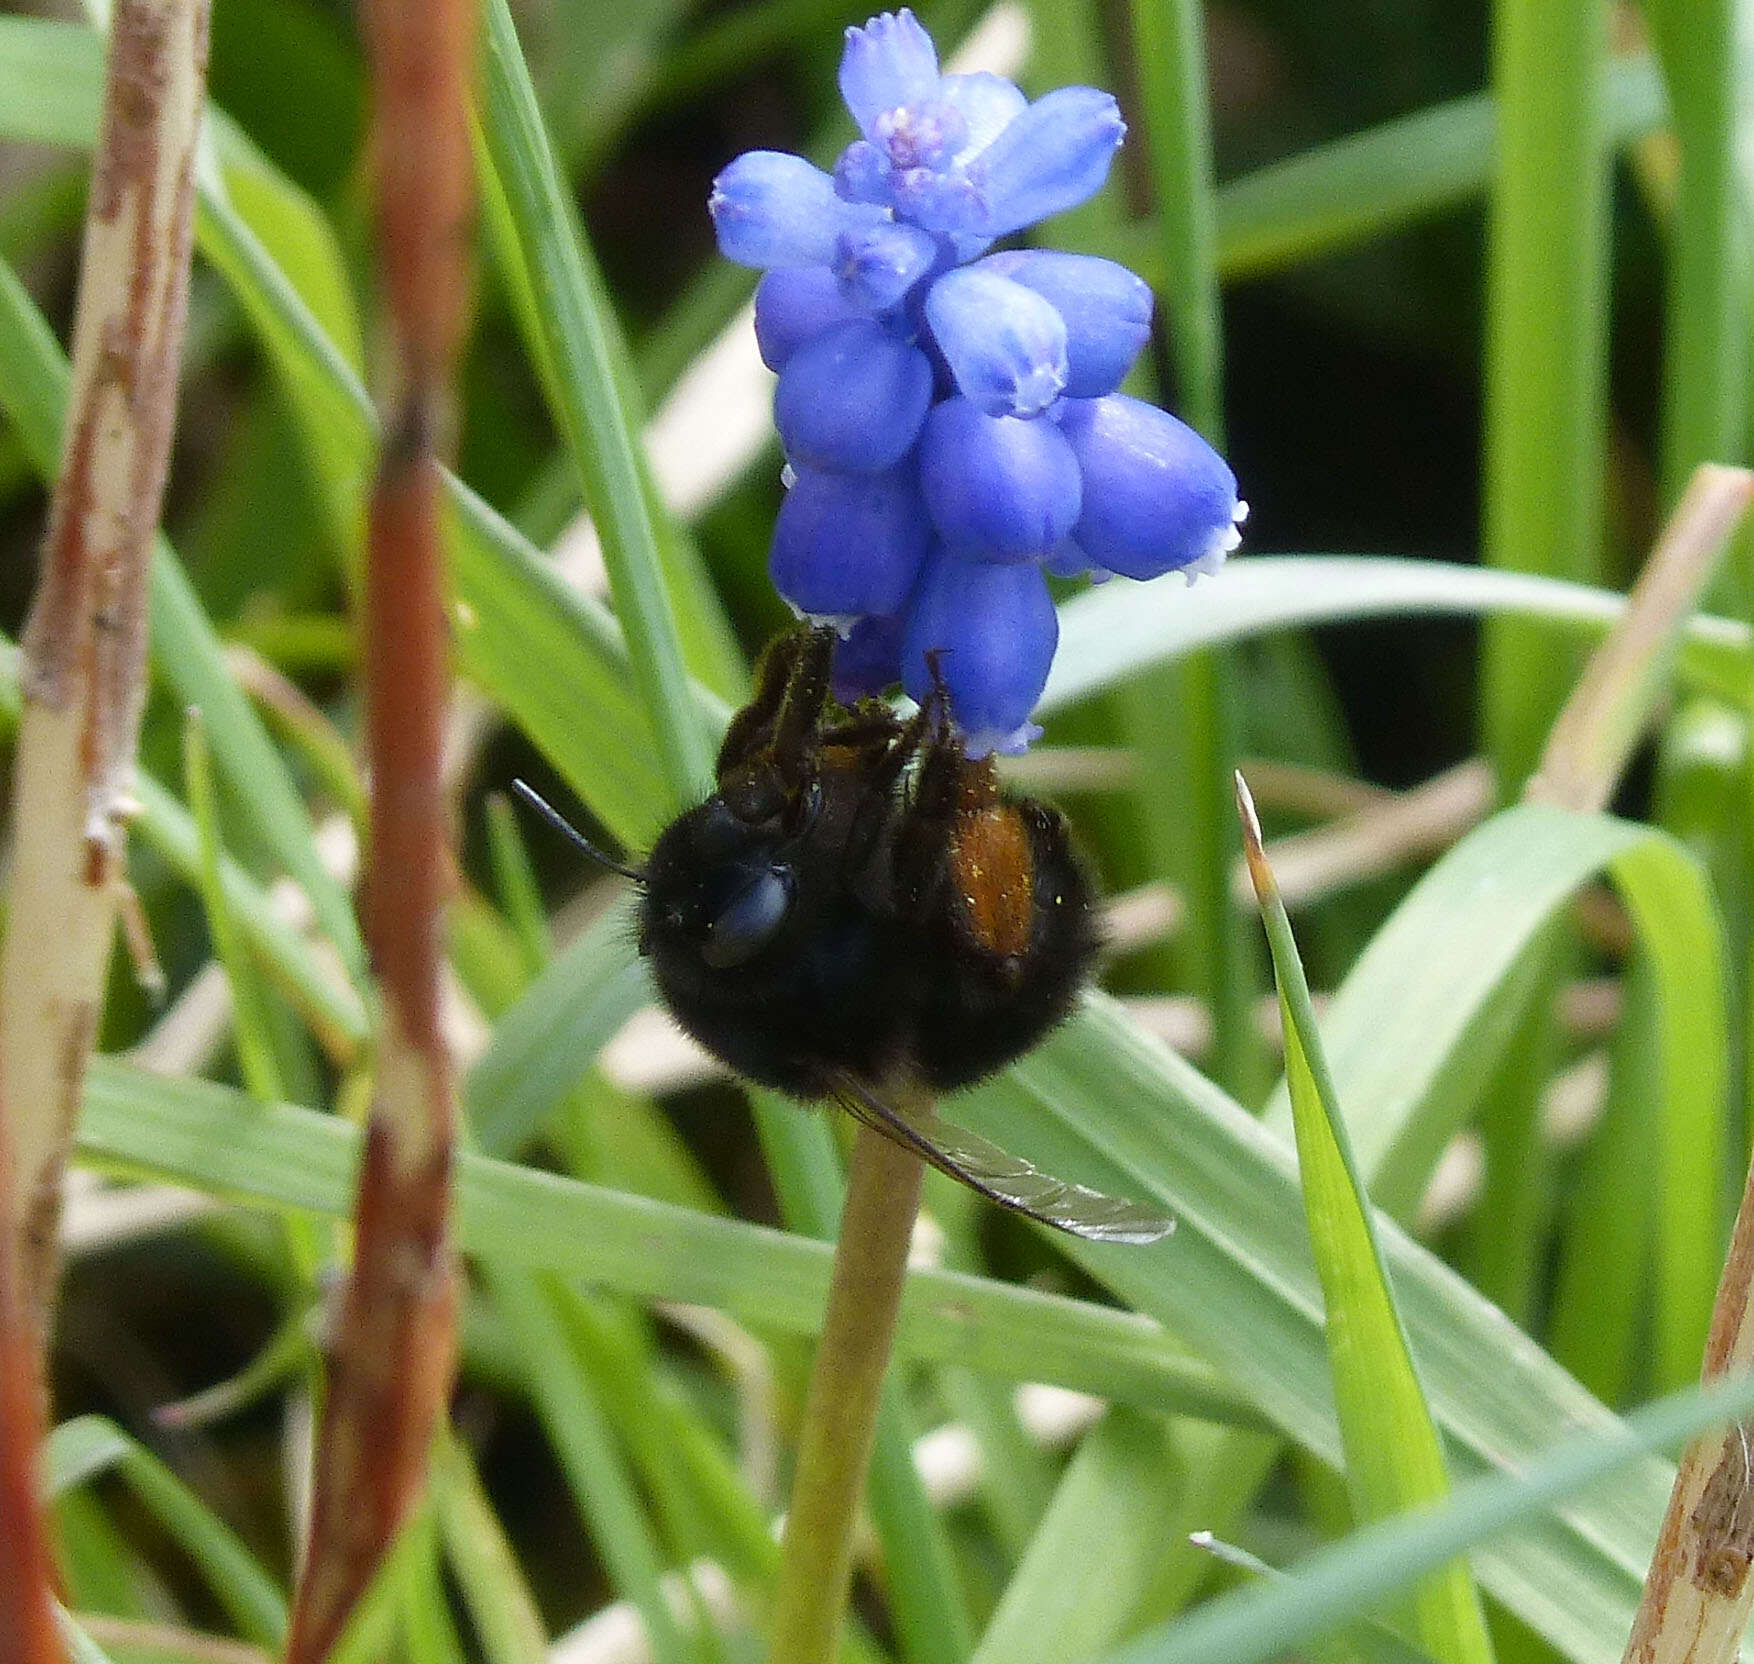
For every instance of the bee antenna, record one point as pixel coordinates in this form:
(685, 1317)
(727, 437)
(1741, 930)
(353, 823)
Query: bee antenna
(562, 825)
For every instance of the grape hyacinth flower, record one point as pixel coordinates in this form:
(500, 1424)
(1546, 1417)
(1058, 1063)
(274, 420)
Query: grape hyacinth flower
(950, 414)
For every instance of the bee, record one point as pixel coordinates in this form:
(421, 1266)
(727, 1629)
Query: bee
(859, 906)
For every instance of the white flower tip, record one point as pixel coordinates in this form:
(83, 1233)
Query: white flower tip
(1208, 565)
(985, 741)
(840, 622)
(1225, 539)
(788, 476)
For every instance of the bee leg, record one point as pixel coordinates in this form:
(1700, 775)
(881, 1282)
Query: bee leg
(890, 753)
(752, 728)
(771, 753)
(946, 788)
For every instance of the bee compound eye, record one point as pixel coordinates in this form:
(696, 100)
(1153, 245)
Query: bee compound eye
(749, 921)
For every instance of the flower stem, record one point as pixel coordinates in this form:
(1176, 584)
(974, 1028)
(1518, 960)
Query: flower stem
(840, 1414)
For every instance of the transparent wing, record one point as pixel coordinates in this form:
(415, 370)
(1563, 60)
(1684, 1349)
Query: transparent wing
(1005, 1179)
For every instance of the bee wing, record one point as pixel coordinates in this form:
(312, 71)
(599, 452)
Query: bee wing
(1004, 1179)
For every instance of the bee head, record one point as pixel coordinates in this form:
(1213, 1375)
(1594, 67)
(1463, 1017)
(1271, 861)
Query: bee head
(716, 888)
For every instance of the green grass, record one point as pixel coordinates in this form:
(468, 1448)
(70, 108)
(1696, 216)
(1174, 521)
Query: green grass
(1383, 203)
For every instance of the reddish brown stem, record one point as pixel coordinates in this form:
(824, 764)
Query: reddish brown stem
(27, 1623)
(394, 1350)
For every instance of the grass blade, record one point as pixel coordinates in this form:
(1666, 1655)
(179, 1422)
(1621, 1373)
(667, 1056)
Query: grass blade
(498, 1600)
(1109, 633)
(1373, 183)
(546, 1041)
(79, 1451)
(1546, 346)
(1345, 1581)
(595, 1469)
(583, 379)
(217, 1138)
(1704, 356)
(250, 1032)
(1095, 1550)
(1394, 1461)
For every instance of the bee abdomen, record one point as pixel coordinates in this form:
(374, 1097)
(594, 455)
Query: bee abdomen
(992, 882)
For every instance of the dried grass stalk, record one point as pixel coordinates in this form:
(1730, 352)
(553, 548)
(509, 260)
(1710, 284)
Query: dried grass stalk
(84, 648)
(1698, 1594)
(84, 674)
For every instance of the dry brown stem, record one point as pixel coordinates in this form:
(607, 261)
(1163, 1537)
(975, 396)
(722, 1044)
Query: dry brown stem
(28, 1633)
(84, 647)
(1627, 675)
(1697, 1594)
(84, 674)
(395, 1344)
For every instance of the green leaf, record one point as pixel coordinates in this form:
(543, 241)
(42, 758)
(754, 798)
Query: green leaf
(1375, 182)
(1105, 1106)
(1110, 633)
(250, 1032)
(1548, 256)
(79, 1451)
(1394, 1461)
(1438, 965)
(1704, 356)
(498, 1599)
(576, 352)
(547, 1040)
(332, 1007)
(596, 1471)
(211, 1136)
(51, 81)
(556, 660)
(1095, 1549)
(81, 1649)
(1344, 1581)
(294, 231)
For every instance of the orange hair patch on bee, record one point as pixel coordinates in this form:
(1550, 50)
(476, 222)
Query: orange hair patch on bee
(992, 866)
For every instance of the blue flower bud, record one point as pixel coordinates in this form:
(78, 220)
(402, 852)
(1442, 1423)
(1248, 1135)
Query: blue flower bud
(1052, 157)
(888, 63)
(867, 659)
(996, 629)
(1106, 310)
(927, 134)
(946, 202)
(997, 488)
(771, 209)
(1004, 343)
(852, 400)
(1157, 497)
(862, 174)
(877, 267)
(988, 103)
(794, 304)
(850, 544)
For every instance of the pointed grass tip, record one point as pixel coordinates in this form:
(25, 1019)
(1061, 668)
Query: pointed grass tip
(1260, 874)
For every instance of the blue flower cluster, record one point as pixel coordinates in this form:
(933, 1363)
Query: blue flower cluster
(950, 417)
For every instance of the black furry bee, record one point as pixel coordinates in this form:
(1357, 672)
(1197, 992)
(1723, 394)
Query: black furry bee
(860, 905)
